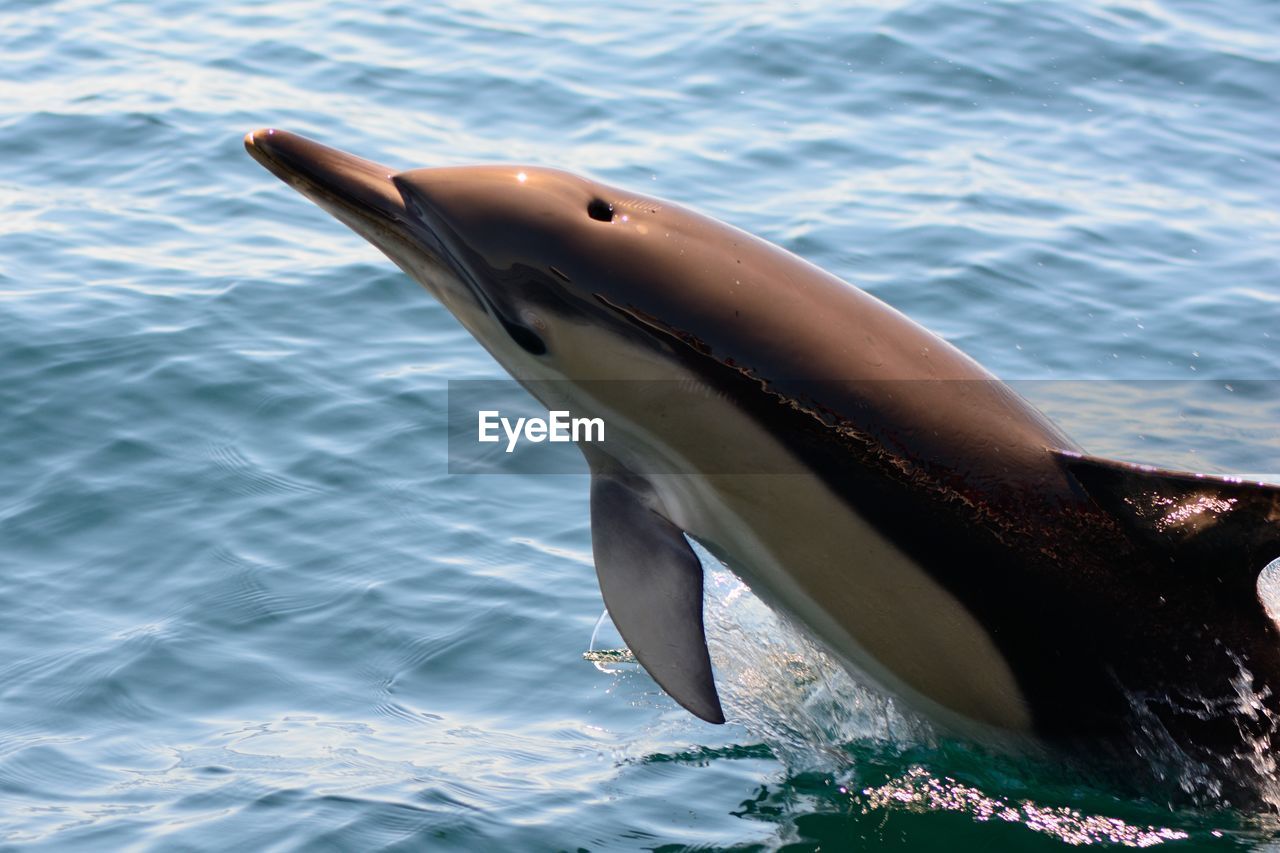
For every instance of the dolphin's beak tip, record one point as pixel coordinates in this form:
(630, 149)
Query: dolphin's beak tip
(251, 142)
(256, 137)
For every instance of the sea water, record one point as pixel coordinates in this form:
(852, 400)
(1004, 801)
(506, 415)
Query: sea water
(244, 604)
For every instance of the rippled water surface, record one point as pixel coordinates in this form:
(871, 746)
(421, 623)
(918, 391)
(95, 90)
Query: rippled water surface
(243, 603)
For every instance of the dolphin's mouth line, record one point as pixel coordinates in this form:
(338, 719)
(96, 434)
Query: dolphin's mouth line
(363, 189)
(358, 192)
(369, 196)
(327, 175)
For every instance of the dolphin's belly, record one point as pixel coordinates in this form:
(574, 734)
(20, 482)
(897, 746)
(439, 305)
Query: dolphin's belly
(801, 548)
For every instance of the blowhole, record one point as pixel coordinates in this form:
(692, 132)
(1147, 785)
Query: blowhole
(600, 210)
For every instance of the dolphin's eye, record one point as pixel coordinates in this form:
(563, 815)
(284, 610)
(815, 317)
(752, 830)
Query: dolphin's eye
(600, 209)
(524, 336)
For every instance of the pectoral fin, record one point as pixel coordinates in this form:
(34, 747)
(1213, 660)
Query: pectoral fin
(652, 584)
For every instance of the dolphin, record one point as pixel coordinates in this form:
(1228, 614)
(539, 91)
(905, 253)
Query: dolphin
(861, 474)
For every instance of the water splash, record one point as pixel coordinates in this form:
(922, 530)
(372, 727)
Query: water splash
(1246, 773)
(606, 659)
(786, 690)
(919, 791)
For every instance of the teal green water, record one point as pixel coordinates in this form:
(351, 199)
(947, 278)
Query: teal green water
(244, 605)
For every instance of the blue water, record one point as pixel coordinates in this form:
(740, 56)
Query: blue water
(244, 605)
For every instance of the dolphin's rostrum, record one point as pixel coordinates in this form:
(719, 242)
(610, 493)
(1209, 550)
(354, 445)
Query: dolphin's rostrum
(924, 521)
